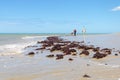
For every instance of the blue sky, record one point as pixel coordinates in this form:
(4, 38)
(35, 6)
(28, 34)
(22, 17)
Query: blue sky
(59, 16)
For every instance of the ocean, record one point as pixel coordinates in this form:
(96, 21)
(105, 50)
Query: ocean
(15, 67)
(14, 43)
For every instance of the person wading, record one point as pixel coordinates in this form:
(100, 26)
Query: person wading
(74, 32)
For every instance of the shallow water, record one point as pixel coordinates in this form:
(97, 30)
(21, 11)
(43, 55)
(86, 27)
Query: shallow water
(38, 67)
(13, 43)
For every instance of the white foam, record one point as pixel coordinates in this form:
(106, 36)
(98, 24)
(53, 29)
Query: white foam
(33, 37)
(10, 49)
(103, 64)
(18, 48)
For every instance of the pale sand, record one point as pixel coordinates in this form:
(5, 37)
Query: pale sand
(39, 67)
(70, 71)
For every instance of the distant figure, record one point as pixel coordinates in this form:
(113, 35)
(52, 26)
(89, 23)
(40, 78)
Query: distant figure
(83, 32)
(74, 32)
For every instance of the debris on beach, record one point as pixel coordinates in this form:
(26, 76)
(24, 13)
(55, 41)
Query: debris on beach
(85, 52)
(31, 53)
(55, 43)
(70, 59)
(59, 56)
(88, 64)
(119, 52)
(99, 55)
(106, 51)
(40, 48)
(106, 64)
(74, 54)
(116, 54)
(50, 56)
(86, 76)
(56, 47)
(96, 49)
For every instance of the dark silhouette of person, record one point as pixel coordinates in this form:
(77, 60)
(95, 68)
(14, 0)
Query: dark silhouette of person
(74, 32)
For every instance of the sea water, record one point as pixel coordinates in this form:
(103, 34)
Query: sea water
(14, 43)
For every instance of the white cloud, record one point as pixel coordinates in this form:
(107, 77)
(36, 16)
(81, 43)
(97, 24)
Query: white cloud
(116, 8)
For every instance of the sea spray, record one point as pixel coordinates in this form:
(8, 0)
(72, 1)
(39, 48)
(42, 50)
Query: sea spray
(10, 49)
(15, 43)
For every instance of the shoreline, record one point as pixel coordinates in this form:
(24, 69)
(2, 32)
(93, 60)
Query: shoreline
(63, 69)
(39, 67)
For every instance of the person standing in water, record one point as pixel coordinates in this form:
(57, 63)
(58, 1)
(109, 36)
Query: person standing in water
(74, 32)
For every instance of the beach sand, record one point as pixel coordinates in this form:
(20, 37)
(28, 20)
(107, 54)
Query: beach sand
(39, 67)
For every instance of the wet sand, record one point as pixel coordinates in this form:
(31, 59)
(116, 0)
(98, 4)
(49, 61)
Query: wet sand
(39, 67)
(64, 70)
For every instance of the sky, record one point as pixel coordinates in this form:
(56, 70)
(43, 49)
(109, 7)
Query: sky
(59, 16)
